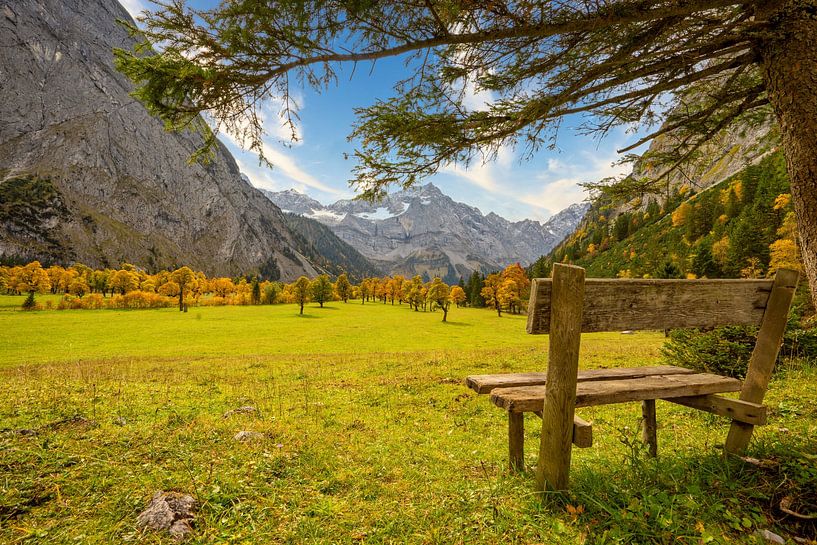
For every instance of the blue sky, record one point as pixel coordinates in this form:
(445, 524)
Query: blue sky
(511, 187)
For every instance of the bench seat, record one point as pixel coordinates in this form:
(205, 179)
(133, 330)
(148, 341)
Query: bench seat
(603, 392)
(485, 384)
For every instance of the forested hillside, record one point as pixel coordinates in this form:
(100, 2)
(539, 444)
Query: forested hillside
(741, 227)
(323, 248)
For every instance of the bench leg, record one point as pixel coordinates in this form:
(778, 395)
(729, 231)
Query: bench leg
(649, 426)
(516, 441)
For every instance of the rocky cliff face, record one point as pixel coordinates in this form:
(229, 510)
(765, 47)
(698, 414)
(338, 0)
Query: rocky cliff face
(86, 174)
(422, 230)
(724, 155)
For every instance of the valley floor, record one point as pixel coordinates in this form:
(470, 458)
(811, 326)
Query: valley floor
(368, 433)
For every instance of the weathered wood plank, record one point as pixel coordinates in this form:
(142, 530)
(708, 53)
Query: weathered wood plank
(531, 398)
(559, 399)
(483, 384)
(742, 411)
(764, 355)
(582, 433)
(516, 441)
(638, 304)
(649, 426)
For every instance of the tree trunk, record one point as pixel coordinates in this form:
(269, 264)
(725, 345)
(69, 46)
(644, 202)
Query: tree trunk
(789, 62)
(181, 298)
(302, 308)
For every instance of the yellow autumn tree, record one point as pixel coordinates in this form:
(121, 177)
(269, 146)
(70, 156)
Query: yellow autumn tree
(490, 292)
(782, 201)
(516, 292)
(123, 281)
(720, 251)
(438, 295)
(300, 292)
(222, 287)
(785, 252)
(681, 214)
(33, 279)
(321, 289)
(458, 295)
(343, 287)
(184, 277)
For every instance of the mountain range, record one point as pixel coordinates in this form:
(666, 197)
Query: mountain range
(423, 231)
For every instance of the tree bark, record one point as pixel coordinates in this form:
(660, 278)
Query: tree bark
(788, 55)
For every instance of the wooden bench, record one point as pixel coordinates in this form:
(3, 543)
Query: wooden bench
(567, 305)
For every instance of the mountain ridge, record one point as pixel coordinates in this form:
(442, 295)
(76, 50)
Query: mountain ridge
(421, 230)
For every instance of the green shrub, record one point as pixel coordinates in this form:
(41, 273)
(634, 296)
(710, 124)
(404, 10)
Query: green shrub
(723, 351)
(29, 303)
(726, 350)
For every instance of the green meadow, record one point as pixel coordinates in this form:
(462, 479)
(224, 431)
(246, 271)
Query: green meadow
(367, 433)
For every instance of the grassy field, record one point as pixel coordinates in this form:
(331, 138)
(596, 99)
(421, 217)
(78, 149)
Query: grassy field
(369, 435)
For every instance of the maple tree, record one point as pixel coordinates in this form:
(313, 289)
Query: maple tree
(440, 296)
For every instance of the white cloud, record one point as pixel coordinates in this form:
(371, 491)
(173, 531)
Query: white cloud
(561, 180)
(485, 175)
(481, 175)
(477, 100)
(273, 118)
(134, 7)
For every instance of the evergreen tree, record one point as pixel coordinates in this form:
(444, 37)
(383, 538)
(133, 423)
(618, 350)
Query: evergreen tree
(726, 61)
(653, 211)
(622, 226)
(29, 303)
(704, 264)
(668, 270)
(747, 241)
(475, 285)
(256, 291)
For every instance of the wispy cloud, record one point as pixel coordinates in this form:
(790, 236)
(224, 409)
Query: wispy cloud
(273, 117)
(560, 180)
(282, 162)
(487, 176)
(263, 176)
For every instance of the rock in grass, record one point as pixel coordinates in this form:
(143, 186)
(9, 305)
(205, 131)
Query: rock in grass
(247, 436)
(246, 409)
(770, 537)
(119, 421)
(171, 512)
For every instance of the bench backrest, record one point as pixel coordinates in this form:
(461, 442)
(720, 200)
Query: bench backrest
(638, 304)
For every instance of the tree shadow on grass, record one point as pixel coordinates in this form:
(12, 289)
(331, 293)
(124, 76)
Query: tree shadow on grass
(306, 316)
(459, 324)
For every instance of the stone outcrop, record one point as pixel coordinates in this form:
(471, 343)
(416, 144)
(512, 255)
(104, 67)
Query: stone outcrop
(87, 174)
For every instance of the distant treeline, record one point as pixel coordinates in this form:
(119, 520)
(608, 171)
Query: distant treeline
(131, 287)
